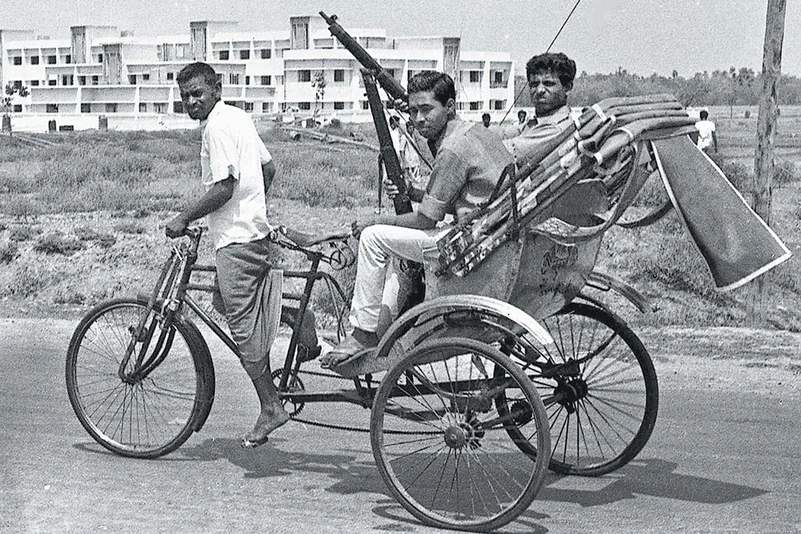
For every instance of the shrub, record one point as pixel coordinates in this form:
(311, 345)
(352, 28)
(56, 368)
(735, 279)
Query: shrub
(57, 243)
(85, 233)
(23, 233)
(8, 251)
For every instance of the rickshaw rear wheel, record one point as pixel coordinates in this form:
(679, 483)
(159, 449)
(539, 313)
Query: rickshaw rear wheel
(603, 409)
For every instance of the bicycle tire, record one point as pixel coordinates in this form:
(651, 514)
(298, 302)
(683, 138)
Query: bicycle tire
(153, 416)
(615, 395)
(446, 430)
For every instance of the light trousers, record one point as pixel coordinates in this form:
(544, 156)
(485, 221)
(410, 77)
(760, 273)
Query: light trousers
(376, 277)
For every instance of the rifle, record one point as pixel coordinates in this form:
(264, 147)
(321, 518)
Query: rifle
(388, 82)
(372, 73)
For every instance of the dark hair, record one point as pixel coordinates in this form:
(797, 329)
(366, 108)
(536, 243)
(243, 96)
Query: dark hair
(195, 70)
(486, 116)
(555, 62)
(704, 114)
(522, 112)
(437, 82)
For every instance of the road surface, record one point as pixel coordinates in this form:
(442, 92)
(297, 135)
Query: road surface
(725, 457)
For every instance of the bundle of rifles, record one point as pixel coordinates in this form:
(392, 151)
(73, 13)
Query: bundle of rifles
(603, 142)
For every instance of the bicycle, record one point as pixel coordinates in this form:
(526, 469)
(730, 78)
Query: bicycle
(444, 417)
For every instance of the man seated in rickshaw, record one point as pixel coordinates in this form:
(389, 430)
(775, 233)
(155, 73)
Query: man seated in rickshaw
(550, 78)
(469, 161)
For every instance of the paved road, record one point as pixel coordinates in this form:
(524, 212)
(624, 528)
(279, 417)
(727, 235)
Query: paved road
(725, 457)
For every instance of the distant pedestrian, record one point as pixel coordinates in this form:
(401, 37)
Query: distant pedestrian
(706, 132)
(521, 116)
(485, 118)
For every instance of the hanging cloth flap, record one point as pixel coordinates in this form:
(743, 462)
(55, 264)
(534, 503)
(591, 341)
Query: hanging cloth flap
(734, 241)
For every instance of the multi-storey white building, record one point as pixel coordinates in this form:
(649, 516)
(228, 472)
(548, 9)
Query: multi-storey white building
(102, 71)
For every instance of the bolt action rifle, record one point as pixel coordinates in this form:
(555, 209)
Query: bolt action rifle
(373, 72)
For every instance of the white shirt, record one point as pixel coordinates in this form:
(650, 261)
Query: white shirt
(705, 129)
(232, 147)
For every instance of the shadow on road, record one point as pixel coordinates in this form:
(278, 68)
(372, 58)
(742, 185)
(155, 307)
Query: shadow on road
(269, 461)
(651, 477)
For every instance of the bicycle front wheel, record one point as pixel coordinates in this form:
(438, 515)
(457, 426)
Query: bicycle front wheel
(441, 447)
(146, 415)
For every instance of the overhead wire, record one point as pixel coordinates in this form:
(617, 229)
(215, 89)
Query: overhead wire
(562, 27)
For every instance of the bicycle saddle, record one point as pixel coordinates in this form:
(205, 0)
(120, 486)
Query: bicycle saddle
(306, 239)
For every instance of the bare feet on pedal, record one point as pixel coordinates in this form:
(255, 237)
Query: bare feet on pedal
(350, 348)
(269, 420)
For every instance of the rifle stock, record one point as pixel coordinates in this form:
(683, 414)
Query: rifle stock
(387, 82)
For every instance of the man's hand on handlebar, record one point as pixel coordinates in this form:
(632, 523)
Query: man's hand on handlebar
(176, 227)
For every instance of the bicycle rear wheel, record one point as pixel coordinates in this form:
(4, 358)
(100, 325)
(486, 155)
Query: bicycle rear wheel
(601, 411)
(148, 416)
(440, 446)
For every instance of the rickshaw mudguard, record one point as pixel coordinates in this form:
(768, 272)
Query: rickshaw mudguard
(430, 319)
(606, 282)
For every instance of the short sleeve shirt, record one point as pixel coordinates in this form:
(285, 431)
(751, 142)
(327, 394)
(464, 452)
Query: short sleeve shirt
(528, 138)
(705, 129)
(469, 161)
(231, 146)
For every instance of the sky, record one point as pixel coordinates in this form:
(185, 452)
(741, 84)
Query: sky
(641, 36)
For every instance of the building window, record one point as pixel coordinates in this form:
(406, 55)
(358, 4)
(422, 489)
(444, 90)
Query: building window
(266, 80)
(51, 108)
(244, 54)
(499, 104)
(339, 75)
(81, 80)
(17, 108)
(178, 107)
(95, 80)
(498, 76)
(52, 82)
(304, 75)
(247, 80)
(304, 106)
(365, 104)
(475, 76)
(111, 108)
(51, 60)
(160, 107)
(146, 76)
(475, 106)
(132, 79)
(34, 83)
(142, 107)
(249, 106)
(233, 78)
(170, 76)
(66, 79)
(266, 53)
(34, 60)
(265, 107)
(339, 105)
(16, 60)
(86, 108)
(224, 55)
(100, 58)
(68, 59)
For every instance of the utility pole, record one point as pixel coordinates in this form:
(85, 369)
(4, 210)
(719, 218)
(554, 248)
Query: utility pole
(766, 127)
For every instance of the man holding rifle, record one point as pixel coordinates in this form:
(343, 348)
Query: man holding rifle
(469, 161)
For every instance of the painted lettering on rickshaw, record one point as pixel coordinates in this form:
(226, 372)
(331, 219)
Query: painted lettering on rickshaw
(556, 268)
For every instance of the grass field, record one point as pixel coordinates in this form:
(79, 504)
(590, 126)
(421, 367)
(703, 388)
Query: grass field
(82, 220)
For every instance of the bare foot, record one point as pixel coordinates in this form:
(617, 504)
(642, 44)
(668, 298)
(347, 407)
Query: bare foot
(268, 421)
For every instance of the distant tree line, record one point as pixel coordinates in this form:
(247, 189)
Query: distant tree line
(732, 87)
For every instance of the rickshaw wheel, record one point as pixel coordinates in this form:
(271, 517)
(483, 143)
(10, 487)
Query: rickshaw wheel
(441, 447)
(603, 408)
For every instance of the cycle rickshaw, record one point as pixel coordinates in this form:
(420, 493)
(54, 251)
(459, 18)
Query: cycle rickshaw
(510, 366)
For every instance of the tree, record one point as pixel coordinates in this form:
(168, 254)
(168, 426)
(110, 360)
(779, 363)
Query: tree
(12, 91)
(319, 83)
